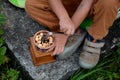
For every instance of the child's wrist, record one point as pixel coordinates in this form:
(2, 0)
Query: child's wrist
(63, 17)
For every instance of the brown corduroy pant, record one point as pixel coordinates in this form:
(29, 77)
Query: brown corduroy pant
(103, 13)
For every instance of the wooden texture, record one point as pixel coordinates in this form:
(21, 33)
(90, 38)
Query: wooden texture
(38, 57)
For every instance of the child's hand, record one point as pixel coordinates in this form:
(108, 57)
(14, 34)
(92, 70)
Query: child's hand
(67, 26)
(59, 44)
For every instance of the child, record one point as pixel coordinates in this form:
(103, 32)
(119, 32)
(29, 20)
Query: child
(66, 16)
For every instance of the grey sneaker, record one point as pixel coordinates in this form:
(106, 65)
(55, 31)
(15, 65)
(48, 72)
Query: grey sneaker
(72, 44)
(90, 54)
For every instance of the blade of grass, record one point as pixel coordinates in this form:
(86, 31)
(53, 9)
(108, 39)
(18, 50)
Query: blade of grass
(87, 74)
(103, 63)
(77, 75)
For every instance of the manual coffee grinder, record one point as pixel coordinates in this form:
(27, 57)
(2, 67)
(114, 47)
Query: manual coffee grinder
(42, 45)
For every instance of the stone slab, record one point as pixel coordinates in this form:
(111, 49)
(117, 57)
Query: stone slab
(19, 27)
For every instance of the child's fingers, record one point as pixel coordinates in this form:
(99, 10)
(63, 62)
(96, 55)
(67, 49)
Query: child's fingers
(60, 50)
(55, 51)
(70, 31)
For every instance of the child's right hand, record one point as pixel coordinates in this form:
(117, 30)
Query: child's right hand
(67, 26)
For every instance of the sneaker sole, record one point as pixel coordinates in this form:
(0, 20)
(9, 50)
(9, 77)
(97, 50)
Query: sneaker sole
(85, 65)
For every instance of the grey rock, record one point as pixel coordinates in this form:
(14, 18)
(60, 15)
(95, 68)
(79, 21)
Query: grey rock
(19, 27)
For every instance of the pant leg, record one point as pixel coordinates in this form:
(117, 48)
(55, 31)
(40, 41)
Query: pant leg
(40, 11)
(104, 13)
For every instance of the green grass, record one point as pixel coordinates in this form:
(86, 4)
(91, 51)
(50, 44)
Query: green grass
(6, 72)
(107, 69)
(2, 19)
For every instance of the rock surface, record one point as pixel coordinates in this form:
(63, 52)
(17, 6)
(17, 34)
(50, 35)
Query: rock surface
(19, 27)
